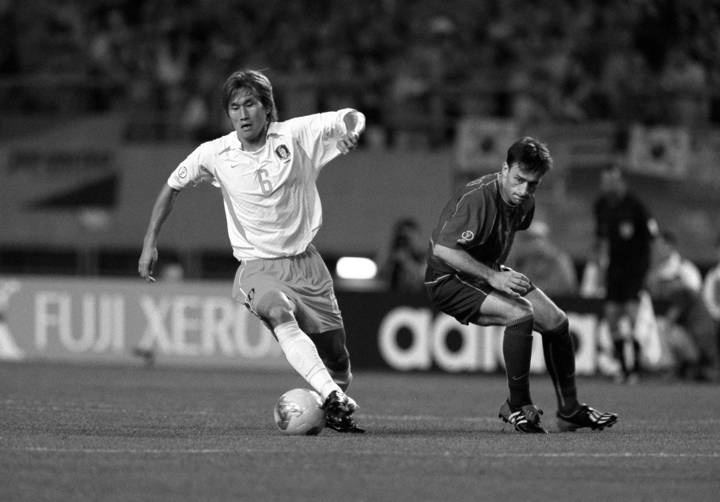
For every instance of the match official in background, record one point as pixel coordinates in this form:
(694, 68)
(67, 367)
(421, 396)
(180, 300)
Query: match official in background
(624, 231)
(266, 171)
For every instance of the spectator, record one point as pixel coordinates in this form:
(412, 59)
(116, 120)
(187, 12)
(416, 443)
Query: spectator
(550, 267)
(691, 330)
(402, 266)
(711, 293)
(684, 82)
(711, 286)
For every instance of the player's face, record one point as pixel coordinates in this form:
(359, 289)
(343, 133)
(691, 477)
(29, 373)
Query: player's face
(518, 184)
(249, 117)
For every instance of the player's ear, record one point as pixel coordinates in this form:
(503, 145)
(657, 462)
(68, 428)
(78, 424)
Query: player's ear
(505, 168)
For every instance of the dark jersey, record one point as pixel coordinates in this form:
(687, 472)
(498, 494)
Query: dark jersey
(478, 221)
(625, 223)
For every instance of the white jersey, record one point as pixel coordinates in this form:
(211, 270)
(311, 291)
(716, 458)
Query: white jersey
(271, 200)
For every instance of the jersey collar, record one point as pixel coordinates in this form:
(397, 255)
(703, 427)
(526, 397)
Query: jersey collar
(235, 143)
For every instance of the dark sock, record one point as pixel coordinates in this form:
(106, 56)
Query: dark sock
(619, 353)
(637, 352)
(559, 355)
(517, 350)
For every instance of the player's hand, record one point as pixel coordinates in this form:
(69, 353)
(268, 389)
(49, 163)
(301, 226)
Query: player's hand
(511, 282)
(348, 142)
(146, 263)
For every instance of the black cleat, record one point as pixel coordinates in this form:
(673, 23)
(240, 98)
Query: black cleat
(526, 419)
(585, 416)
(338, 408)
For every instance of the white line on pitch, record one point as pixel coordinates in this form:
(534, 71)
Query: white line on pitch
(230, 451)
(446, 418)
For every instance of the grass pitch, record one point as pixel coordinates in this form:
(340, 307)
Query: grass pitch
(107, 433)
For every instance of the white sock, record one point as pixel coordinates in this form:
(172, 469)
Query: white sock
(303, 356)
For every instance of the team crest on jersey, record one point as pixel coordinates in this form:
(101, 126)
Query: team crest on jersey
(467, 236)
(182, 173)
(283, 153)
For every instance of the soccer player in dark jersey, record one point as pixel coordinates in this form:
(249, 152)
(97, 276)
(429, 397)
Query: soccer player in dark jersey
(466, 279)
(624, 232)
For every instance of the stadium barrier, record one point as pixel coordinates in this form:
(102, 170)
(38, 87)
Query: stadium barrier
(197, 323)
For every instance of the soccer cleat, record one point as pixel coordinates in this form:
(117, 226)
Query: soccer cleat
(585, 416)
(338, 408)
(526, 419)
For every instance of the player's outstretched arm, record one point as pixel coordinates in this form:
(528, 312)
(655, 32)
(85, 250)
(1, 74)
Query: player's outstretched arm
(149, 255)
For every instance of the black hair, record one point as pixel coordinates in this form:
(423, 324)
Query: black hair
(255, 81)
(530, 154)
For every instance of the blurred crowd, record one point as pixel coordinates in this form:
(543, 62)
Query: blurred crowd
(413, 67)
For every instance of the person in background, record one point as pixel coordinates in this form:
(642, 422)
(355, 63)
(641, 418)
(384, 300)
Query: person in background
(711, 293)
(550, 267)
(624, 230)
(402, 266)
(466, 278)
(266, 171)
(691, 331)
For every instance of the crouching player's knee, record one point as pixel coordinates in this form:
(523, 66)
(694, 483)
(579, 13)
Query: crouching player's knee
(559, 324)
(521, 313)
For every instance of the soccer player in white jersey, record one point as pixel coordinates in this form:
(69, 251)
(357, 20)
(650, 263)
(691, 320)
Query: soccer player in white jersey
(266, 172)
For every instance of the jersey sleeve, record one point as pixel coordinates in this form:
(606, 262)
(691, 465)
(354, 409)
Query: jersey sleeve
(466, 225)
(196, 168)
(318, 135)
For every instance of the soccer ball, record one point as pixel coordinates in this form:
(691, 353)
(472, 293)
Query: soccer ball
(298, 412)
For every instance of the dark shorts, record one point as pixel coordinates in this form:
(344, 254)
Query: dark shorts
(623, 285)
(459, 297)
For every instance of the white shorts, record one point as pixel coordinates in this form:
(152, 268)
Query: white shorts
(304, 278)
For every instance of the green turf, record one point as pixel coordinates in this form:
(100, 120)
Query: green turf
(71, 433)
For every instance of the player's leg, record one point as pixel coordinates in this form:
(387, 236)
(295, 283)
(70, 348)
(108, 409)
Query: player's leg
(277, 310)
(331, 346)
(559, 352)
(478, 303)
(552, 323)
(319, 315)
(517, 315)
(333, 351)
(261, 285)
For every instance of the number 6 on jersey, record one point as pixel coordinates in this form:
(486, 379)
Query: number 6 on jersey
(262, 177)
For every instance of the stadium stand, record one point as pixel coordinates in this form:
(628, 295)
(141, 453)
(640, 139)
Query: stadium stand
(417, 69)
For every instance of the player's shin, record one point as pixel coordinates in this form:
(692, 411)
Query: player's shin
(303, 356)
(559, 355)
(517, 351)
